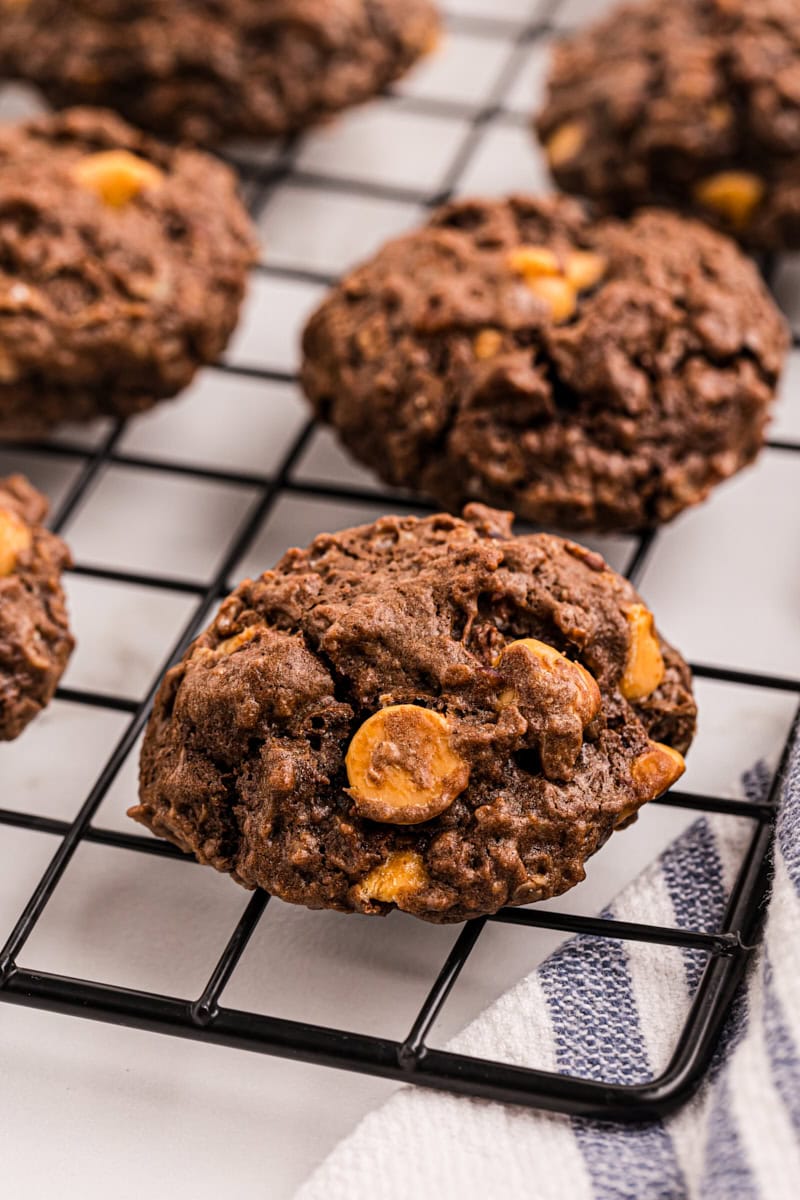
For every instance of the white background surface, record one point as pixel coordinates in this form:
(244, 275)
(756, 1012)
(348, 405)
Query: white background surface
(90, 1110)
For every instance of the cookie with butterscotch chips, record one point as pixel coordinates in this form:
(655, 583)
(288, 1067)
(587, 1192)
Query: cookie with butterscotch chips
(123, 264)
(433, 715)
(693, 104)
(201, 71)
(590, 374)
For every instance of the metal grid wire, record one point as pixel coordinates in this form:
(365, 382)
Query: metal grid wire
(411, 1059)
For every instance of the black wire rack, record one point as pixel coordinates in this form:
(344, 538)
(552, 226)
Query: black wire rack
(412, 1059)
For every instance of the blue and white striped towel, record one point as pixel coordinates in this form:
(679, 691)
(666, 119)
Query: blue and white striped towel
(612, 1010)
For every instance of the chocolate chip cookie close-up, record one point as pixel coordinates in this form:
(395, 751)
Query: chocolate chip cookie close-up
(35, 641)
(202, 71)
(429, 714)
(586, 374)
(123, 264)
(694, 103)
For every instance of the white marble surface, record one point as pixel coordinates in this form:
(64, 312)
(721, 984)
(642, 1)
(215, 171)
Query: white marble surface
(96, 1110)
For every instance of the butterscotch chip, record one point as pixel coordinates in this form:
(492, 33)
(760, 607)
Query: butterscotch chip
(567, 142)
(116, 175)
(35, 642)
(584, 269)
(734, 195)
(401, 875)
(488, 343)
(656, 770)
(15, 538)
(428, 717)
(720, 115)
(543, 275)
(401, 766)
(644, 666)
(8, 368)
(558, 294)
(557, 697)
(527, 658)
(236, 641)
(534, 261)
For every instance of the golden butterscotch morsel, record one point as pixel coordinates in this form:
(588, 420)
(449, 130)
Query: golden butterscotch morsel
(533, 261)
(733, 195)
(233, 643)
(644, 665)
(521, 662)
(487, 343)
(401, 766)
(15, 539)
(8, 368)
(557, 293)
(567, 141)
(720, 115)
(402, 874)
(117, 176)
(433, 41)
(656, 770)
(584, 269)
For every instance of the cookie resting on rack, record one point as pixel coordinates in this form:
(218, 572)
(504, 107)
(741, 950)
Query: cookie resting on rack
(587, 375)
(35, 642)
(123, 263)
(203, 71)
(693, 103)
(433, 715)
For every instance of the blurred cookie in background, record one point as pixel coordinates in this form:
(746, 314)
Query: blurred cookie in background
(693, 103)
(123, 265)
(585, 374)
(201, 71)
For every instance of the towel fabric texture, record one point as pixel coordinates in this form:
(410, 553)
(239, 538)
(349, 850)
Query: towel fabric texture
(612, 1010)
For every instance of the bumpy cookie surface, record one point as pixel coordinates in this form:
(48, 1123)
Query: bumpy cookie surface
(35, 642)
(588, 375)
(694, 103)
(432, 714)
(123, 263)
(201, 70)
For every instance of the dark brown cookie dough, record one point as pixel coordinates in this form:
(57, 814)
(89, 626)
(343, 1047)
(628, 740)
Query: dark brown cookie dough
(123, 264)
(692, 103)
(586, 375)
(203, 70)
(432, 714)
(35, 642)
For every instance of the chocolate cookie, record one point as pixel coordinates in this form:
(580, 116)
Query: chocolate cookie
(588, 375)
(203, 71)
(694, 103)
(35, 642)
(123, 264)
(428, 714)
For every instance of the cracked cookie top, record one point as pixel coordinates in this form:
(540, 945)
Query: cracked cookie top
(586, 374)
(694, 103)
(35, 642)
(205, 70)
(429, 714)
(123, 263)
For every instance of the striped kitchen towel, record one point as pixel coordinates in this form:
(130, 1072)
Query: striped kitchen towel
(612, 1010)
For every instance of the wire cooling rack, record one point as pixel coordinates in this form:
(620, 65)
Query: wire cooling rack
(456, 129)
